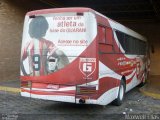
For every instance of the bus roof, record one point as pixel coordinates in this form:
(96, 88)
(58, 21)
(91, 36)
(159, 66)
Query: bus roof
(60, 10)
(115, 25)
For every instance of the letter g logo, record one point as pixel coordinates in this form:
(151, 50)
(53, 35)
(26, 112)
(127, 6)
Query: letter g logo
(87, 67)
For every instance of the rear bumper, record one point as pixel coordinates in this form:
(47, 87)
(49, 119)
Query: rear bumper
(103, 99)
(64, 93)
(70, 99)
(59, 98)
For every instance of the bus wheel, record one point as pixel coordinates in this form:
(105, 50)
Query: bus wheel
(119, 100)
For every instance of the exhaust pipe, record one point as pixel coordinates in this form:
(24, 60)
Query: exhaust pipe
(82, 101)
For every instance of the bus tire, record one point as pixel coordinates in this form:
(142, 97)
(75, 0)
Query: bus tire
(119, 100)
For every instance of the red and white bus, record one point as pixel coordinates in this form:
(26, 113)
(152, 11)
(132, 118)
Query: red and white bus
(78, 55)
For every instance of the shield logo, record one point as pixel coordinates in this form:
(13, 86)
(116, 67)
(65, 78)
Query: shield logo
(87, 66)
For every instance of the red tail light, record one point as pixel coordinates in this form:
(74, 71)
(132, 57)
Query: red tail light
(26, 84)
(86, 89)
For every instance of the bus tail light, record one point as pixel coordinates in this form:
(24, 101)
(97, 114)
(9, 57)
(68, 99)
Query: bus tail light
(26, 84)
(86, 89)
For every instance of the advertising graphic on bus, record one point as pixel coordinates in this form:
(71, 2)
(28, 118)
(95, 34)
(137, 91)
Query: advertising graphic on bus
(78, 55)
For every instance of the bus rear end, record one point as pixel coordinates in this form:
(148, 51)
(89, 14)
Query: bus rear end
(59, 55)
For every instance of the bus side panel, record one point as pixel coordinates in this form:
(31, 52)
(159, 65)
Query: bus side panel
(113, 64)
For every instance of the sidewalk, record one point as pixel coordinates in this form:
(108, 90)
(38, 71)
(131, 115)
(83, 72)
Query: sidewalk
(152, 88)
(10, 86)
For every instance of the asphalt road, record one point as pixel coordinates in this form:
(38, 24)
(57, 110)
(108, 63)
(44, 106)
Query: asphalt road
(13, 106)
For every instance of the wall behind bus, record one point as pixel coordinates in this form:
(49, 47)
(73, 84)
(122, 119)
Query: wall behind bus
(152, 32)
(11, 24)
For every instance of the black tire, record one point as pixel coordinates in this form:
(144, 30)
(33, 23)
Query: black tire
(119, 100)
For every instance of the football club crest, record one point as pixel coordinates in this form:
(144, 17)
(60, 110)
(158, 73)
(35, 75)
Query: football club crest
(87, 66)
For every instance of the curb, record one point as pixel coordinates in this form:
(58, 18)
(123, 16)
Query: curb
(150, 94)
(10, 89)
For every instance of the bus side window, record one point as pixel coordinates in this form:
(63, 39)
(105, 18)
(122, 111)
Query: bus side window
(105, 39)
(121, 39)
(109, 35)
(128, 40)
(109, 40)
(101, 34)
